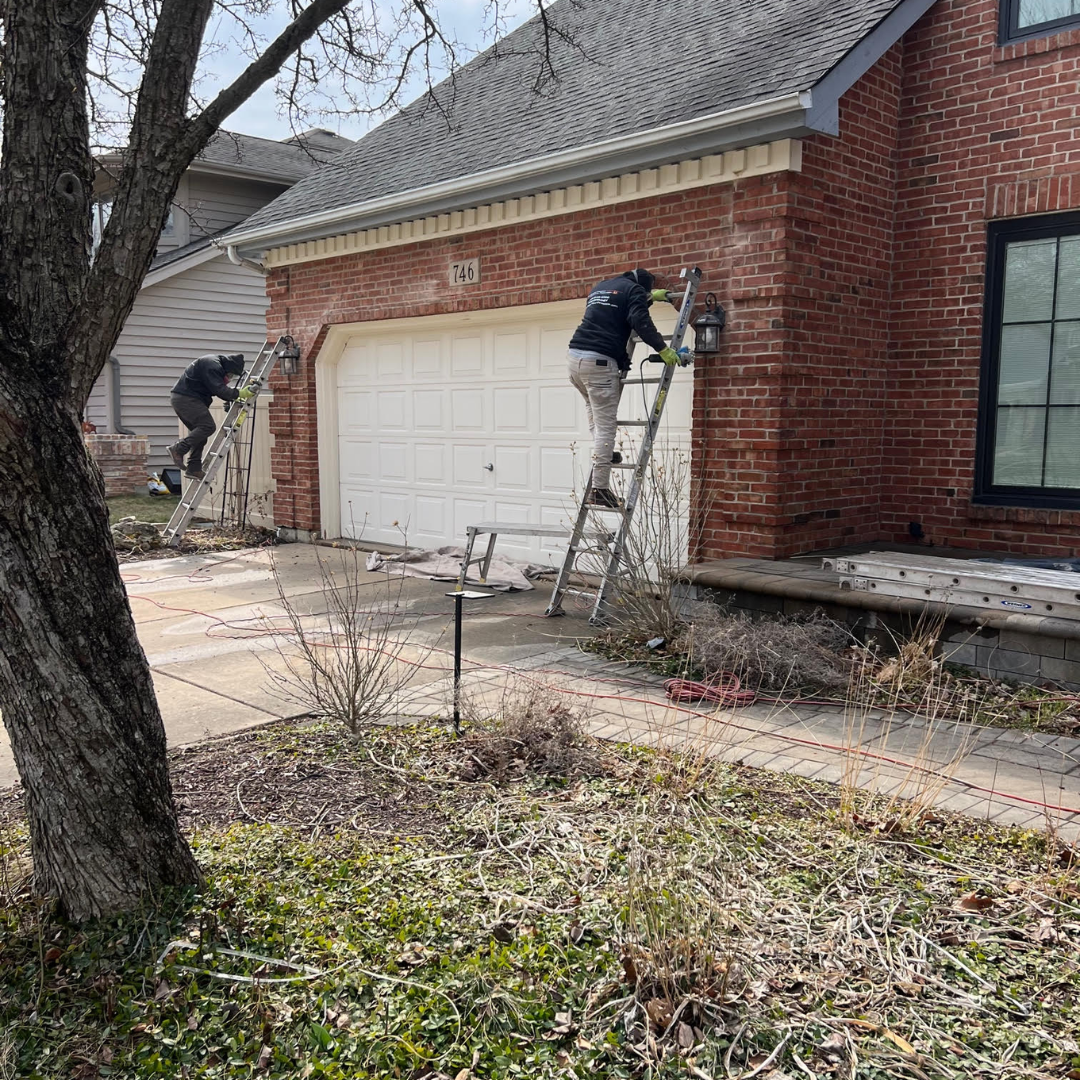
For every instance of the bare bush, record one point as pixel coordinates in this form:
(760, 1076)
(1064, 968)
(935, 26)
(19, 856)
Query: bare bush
(532, 728)
(774, 653)
(349, 660)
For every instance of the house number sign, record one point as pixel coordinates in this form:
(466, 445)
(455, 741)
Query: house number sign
(465, 272)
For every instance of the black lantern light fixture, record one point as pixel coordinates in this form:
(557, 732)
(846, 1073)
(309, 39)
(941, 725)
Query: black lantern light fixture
(708, 327)
(290, 357)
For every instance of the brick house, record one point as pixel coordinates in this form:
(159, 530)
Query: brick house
(884, 195)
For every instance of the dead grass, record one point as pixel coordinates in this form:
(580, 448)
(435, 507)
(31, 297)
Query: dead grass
(528, 729)
(770, 654)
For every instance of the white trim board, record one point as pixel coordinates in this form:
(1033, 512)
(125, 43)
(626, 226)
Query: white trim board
(784, 155)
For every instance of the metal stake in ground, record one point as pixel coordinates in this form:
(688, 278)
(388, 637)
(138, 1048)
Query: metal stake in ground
(459, 595)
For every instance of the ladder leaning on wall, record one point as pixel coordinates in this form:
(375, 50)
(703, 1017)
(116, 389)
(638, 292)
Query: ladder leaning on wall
(611, 542)
(216, 457)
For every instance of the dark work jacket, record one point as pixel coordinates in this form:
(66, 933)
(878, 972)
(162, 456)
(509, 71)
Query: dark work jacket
(204, 379)
(614, 309)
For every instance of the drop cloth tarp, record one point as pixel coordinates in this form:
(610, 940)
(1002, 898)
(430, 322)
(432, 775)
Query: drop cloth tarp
(504, 575)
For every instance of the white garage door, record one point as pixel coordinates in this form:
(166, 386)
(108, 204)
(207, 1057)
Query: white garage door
(453, 420)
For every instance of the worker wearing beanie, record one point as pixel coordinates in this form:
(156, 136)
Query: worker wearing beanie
(203, 380)
(599, 360)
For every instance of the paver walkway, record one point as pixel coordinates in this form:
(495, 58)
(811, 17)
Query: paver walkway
(1009, 777)
(206, 621)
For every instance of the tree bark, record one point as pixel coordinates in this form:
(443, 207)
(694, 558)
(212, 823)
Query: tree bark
(75, 689)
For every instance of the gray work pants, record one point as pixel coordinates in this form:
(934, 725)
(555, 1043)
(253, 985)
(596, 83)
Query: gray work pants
(601, 387)
(200, 424)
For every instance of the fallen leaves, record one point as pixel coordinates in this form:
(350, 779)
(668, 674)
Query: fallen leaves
(976, 902)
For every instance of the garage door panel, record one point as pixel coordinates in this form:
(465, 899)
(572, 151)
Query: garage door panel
(393, 461)
(467, 410)
(561, 408)
(431, 464)
(469, 461)
(430, 524)
(510, 354)
(553, 345)
(556, 470)
(429, 410)
(392, 414)
(513, 468)
(467, 356)
(354, 411)
(427, 359)
(395, 513)
(423, 411)
(357, 460)
(356, 504)
(467, 512)
(390, 359)
(511, 410)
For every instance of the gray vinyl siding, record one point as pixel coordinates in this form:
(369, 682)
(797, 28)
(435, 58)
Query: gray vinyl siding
(215, 203)
(214, 307)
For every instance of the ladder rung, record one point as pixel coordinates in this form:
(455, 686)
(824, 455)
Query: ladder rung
(642, 382)
(626, 465)
(632, 423)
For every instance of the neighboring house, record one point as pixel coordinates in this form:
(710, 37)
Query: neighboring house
(885, 195)
(194, 300)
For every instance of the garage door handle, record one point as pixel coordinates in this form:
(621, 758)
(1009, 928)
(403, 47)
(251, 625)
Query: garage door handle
(490, 467)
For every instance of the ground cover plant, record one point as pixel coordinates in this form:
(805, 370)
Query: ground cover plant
(383, 908)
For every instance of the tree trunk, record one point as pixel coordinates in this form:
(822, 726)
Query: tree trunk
(75, 689)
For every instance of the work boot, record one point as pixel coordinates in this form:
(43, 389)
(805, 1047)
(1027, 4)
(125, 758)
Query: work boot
(177, 457)
(194, 471)
(605, 498)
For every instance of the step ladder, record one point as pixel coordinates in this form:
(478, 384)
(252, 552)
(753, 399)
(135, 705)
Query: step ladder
(216, 456)
(613, 568)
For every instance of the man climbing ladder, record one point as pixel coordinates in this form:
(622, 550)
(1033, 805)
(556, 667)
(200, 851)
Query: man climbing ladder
(599, 361)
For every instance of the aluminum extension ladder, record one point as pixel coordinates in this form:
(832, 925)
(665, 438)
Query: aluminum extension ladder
(651, 427)
(612, 541)
(237, 413)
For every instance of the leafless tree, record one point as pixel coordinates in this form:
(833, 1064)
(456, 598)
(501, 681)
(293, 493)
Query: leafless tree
(75, 75)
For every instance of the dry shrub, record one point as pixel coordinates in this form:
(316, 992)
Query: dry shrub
(532, 729)
(773, 653)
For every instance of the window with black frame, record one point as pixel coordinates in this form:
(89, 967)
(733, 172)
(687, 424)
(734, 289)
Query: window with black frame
(1026, 18)
(1029, 423)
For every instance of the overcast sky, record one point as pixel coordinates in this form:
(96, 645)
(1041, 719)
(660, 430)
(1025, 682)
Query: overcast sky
(464, 20)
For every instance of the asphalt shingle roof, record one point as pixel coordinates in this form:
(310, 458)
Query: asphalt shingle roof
(286, 161)
(633, 65)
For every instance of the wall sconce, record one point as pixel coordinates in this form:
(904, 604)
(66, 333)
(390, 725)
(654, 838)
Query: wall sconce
(290, 357)
(708, 327)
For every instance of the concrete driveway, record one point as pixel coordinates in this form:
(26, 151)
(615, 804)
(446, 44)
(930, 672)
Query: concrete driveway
(207, 624)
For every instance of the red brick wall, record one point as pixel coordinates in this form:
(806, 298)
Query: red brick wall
(985, 132)
(540, 262)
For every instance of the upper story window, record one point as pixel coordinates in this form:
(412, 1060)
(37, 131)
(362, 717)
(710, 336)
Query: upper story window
(1029, 18)
(1029, 410)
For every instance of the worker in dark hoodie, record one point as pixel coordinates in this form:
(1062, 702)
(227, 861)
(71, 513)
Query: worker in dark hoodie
(203, 380)
(599, 361)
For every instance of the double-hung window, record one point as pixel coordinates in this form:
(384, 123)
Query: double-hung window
(1028, 18)
(1029, 422)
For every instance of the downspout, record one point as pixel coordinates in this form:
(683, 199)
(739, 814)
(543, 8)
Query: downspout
(237, 260)
(114, 389)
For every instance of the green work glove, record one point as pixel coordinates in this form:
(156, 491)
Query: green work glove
(669, 356)
(245, 393)
(660, 296)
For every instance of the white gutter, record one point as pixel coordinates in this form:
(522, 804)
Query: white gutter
(641, 146)
(236, 260)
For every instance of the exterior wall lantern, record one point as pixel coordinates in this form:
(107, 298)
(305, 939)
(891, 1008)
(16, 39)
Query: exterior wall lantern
(290, 358)
(708, 327)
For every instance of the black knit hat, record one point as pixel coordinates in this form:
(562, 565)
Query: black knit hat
(233, 363)
(642, 277)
